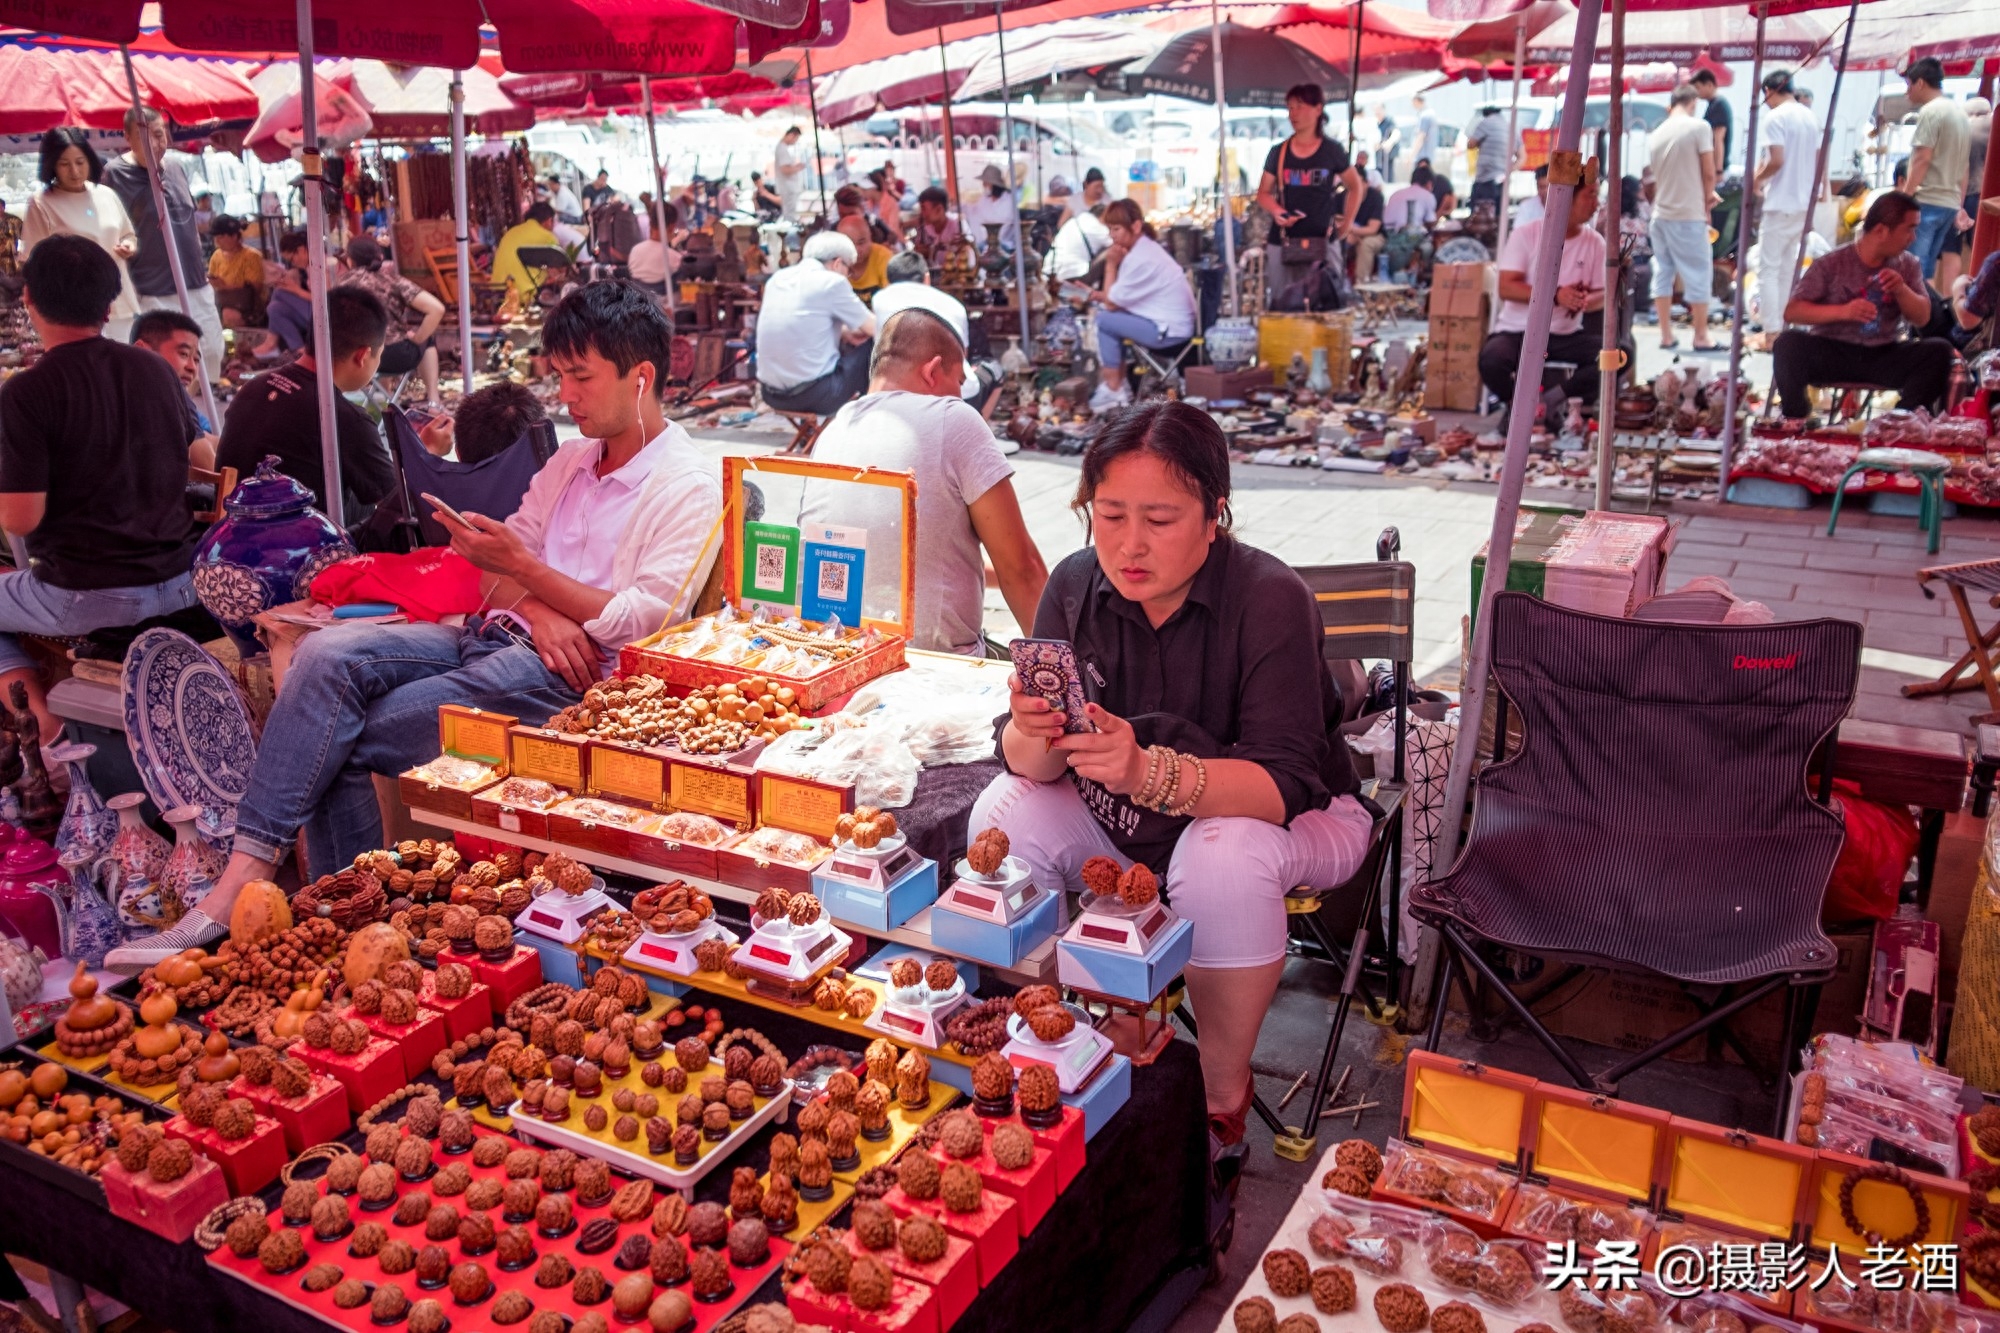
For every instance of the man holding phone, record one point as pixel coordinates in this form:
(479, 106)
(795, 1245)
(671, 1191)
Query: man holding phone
(614, 539)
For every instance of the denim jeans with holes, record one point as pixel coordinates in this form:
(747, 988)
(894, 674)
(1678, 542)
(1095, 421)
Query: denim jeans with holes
(363, 699)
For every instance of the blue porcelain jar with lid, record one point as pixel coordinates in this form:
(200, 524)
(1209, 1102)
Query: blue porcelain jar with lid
(269, 547)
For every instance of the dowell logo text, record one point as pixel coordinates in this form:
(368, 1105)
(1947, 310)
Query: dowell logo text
(1785, 663)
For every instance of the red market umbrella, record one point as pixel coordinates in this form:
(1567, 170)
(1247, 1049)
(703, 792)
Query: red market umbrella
(1713, 35)
(1391, 38)
(41, 88)
(606, 92)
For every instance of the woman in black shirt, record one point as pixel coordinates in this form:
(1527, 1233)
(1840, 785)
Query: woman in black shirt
(1214, 760)
(1297, 190)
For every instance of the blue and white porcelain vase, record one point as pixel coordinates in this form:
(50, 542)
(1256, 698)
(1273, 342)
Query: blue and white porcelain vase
(88, 824)
(193, 866)
(269, 547)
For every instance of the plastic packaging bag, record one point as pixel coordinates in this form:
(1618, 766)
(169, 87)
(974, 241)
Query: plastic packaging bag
(1549, 1216)
(881, 767)
(1502, 1274)
(1417, 1174)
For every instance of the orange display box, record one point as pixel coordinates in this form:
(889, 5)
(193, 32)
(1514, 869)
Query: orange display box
(1883, 1206)
(172, 1210)
(1033, 1186)
(419, 1040)
(511, 977)
(994, 1230)
(1586, 1150)
(467, 1013)
(369, 1076)
(954, 1278)
(1736, 1187)
(1468, 1113)
(469, 734)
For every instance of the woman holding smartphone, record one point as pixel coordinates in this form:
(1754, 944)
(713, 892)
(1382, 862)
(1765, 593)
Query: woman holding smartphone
(1302, 175)
(1215, 759)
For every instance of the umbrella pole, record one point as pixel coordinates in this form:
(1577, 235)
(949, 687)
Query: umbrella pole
(653, 151)
(312, 185)
(1514, 123)
(950, 149)
(1565, 174)
(1750, 213)
(1222, 182)
(1614, 213)
(1354, 89)
(1818, 185)
(153, 169)
(463, 231)
(819, 162)
(1020, 232)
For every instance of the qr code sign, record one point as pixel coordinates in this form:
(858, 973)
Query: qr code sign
(832, 581)
(770, 569)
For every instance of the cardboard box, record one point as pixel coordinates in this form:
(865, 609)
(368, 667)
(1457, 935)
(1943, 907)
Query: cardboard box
(1460, 289)
(1210, 383)
(1457, 334)
(1451, 381)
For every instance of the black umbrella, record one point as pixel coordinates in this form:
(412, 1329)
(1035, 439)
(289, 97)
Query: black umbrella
(1257, 67)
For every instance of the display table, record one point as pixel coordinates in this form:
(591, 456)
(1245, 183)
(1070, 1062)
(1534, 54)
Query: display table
(1131, 1226)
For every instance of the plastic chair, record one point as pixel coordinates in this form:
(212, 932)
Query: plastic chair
(1656, 817)
(1929, 470)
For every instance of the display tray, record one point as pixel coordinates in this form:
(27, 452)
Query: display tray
(468, 1319)
(79, 1183)
(633, 1156)
(811, 1214)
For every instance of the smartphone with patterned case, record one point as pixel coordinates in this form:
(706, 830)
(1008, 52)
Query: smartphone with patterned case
(1047, 667)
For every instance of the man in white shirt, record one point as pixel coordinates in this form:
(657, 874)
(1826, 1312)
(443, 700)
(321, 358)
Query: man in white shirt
(613, 539)
(1414, 206)
(564, 201)
(1579, 290)
(788, 173)
(910, 288)
(995, 205)
(1790, 138)
(913, 421)
(1077, 254)
(1427, 131)
(1682, 153)
(813, 333)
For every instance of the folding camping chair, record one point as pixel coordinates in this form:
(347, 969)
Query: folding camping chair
(1981, 576)
(493, 486)
(1365, 613)
(1656, 817)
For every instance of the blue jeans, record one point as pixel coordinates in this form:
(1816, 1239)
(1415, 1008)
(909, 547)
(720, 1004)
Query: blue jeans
(1115, 326)
(1934, 228)
(291, 318)
(30, 606)
(363, 699)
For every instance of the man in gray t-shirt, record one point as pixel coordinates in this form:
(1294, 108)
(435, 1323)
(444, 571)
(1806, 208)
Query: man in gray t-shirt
(913, 420)
(1488, 136)
(1852, 307)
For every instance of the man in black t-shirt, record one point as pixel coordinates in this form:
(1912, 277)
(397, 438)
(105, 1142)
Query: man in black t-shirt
(1721, 119)
(278, 412)
(93, 469)
(1365, 235)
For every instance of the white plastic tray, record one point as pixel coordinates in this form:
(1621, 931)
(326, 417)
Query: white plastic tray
(643, 1163)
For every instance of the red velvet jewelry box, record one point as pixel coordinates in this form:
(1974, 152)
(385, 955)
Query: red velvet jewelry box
(419, 1040)
(464, 1015)
(320, 1115)
(172, 1210)
(511, 977)
(248, 1165)
(954, 1278)
(369, 1076)
(994, 1230)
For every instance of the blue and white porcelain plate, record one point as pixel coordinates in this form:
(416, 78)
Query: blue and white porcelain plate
(186, 723)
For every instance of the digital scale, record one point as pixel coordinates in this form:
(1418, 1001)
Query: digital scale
(563, 917)
(675, 953)
(917, 1013)
(1000, 899)
(1106, 922)
(786, 961)
(878, 887)
(1075, 1058)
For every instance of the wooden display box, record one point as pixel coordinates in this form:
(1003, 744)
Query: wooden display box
(1593, 1149)
(607, 828)
(248, 1165)
(369, 1076)
(784, 480)
(319, 1115)
(994, 1230)
(172, 1210)
(1882, 1206)
(1741, 1186)
(953, 1279)
(1466, 1111)
(463, 733)
(419, 1040)
(746, 870)
(528, 818)
(509, 978)
(469, 1012)
(796, 805)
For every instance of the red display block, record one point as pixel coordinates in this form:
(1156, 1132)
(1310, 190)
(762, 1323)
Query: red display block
(809, 1306)
(419, 1040)
(1033, 1186)
(464, 1015)
(1064, 1139)
(368, 1077)
(319, 1115)
(511, 977)
(172, 1210)
(248, 1165)
(995, 1230)
(953, 1279)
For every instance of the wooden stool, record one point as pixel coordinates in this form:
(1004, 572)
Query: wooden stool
(806, 427)
(1927, 468)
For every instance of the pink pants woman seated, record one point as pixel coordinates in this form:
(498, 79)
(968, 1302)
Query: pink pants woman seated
(1229, 877)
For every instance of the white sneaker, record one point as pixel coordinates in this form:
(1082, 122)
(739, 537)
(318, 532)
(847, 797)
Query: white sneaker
(1008, 444)
(1108, 399)
(192, 931)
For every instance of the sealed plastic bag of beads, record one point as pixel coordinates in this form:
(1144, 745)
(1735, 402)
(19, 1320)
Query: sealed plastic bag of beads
(1504, 1274)
(1466, 1186)
(1546, 1215)
(1583, 1309)
(1377, 1238)
(1720, 1312)
(1890, 1311)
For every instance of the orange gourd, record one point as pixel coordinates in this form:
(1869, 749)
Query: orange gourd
(88, 1011)
(261, 909)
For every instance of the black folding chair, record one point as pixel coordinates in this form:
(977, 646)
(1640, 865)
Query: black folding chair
(1656, 818)
(1365, 613)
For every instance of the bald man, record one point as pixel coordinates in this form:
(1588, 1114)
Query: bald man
(870, 273)
(913, 420)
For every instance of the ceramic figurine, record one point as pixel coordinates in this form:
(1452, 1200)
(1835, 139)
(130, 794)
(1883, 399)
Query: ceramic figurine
(88, 825)
(265, 552)
(41, 812)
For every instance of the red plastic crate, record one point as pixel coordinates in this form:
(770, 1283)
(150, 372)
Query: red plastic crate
(318, 1116)
(368, 1077)
(248, 1165)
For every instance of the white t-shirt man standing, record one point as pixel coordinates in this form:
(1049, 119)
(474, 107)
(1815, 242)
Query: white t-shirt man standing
(1785, 176)
(788, 171)
(1682, 154)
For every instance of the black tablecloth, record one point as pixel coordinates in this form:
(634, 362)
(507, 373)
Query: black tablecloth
(935, 819)
(1131, 1226)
